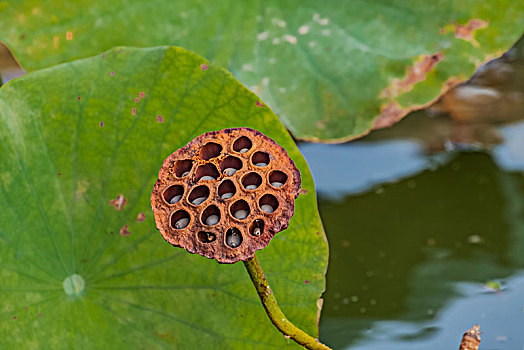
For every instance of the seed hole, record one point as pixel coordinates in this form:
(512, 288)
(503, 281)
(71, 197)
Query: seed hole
(260, 159)
(206, 237)
(211, 215)
(207, 172)
(226, 189)
(183, 167)
(277, 178)
(173, 194)
(251, 181)
(210, 150)
(198, 195)
(230, 165)
(257, 228)
(240, 210)
(180, 219)
(268, 203)
(242, 145)
(233, 237)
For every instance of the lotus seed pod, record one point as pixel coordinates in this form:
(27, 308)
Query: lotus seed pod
(225, 194)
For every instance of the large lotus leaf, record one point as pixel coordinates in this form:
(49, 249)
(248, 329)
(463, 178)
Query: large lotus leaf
(73, 138)
(328, 68)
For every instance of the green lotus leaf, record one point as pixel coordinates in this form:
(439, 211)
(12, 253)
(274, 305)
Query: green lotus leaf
(331, 70)
(79, 272)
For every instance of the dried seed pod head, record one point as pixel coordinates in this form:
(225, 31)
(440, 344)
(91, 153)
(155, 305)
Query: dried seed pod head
(471, 339)
(225, 194)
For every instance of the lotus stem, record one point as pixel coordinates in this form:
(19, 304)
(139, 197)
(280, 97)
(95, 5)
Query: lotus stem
(288, 329)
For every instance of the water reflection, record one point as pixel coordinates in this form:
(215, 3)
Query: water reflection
(426, 243)
(409, 260)
(340, 170)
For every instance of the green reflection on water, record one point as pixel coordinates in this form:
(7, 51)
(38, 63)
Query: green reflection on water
(396, 252)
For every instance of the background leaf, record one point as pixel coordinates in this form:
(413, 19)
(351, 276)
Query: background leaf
(73, 138)
(329, 69)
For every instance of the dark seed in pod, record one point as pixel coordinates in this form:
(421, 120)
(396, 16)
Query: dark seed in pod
(199, 200)
(240, 214)
(212, 220)
(227, 195)
(267, 208)
(277, 184)
(175, 199)
(234, 239)
(229, 171)
(207, 177)
(182, 223)
(185, 174)
(261, 164)
(251, 187)
(243, 150)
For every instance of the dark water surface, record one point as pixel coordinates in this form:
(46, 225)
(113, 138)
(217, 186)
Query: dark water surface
(422, 247)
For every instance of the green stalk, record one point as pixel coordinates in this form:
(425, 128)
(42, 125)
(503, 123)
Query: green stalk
(273, 310)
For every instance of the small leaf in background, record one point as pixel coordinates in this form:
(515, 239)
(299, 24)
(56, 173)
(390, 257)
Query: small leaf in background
(81, 262)
(493, 286)
(331, 70)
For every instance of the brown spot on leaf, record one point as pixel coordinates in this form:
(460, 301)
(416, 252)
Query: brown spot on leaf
(260, 104)
(124, 231)
(392, 112)
(303, 191)
(118, 202)
(466, 31)
(204, 66)
(414, 74)
(163, 336)
(141, 217)
(389, 115)
(159, 119)
(82, 187)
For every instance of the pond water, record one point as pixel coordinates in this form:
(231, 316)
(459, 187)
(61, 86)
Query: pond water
(422, 247)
